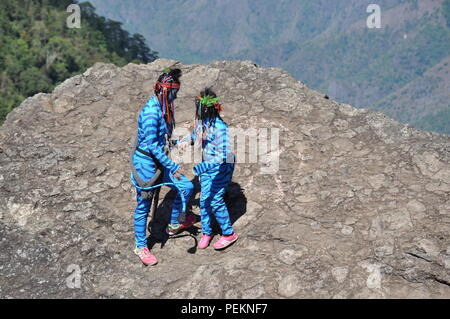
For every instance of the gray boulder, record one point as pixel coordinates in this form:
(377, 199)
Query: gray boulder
(358, 207)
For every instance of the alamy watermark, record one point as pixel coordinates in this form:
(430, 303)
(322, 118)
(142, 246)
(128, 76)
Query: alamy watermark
(250, 146)
(73, 281)
(374, 20)
(74, 20)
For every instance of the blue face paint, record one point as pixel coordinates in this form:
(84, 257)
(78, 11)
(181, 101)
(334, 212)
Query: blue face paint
(173, 94)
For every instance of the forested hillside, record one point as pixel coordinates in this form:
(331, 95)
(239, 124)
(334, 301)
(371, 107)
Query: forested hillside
(401, 69)
(38, 50)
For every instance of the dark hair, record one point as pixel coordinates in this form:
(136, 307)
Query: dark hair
(174, 73)
(207, 112)
(163, 95)
(208, 91)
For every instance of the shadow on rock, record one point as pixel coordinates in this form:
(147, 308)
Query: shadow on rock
(234, 198)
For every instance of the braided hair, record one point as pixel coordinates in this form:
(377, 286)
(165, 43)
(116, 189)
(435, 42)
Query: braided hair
(166, 89)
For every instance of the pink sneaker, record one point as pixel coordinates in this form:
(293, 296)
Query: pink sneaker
(146, 256)
(173, 230)
(204, 241)
(225, 241)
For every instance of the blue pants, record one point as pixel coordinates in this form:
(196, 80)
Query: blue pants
(143, 205)
(213, 187)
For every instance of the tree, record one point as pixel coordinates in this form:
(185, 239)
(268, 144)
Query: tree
(38, 51)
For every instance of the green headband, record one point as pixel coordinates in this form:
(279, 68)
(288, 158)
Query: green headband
(209, 101)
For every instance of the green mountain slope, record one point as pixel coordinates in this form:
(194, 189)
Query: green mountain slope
(38, 50)
(325, 43)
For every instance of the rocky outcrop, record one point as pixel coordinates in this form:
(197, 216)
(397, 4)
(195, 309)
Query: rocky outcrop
(359, 206)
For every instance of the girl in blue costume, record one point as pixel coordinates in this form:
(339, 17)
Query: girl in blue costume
(155, 125)
(216, 169)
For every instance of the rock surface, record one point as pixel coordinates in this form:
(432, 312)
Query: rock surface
(359, 207)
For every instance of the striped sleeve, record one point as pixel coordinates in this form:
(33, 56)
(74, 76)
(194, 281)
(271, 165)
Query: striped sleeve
(221, 147)
(151, 122)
